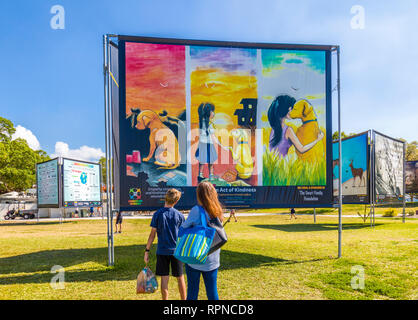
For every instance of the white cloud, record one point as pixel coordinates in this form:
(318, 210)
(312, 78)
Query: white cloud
(26, 134)
(86, 153)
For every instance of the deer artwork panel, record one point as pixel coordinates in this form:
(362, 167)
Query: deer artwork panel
(357, 173)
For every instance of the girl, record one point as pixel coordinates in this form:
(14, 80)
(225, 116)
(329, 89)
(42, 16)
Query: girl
(283, 137)
(206, 152)
(207, 198)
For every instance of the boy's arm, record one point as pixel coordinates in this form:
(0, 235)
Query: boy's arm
(149, 244)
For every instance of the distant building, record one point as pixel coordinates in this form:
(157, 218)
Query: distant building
(247, 117)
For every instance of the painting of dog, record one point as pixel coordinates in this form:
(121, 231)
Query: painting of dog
(308, 131)
(241, 153)
(163, 143)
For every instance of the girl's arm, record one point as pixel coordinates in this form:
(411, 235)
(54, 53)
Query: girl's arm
(290, 134)
(193, 218)
(215, 139)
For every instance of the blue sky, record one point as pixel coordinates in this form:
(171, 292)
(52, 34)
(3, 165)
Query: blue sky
(52, 84)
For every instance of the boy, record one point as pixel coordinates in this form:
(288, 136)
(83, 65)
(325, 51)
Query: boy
(165, 223)
(292, 213)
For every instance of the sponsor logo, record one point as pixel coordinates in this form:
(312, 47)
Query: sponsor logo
(135, 197)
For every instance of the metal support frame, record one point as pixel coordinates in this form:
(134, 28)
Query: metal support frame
(340, 197)
(108, 146)
(109, 153)
(371, 174)
(314, 215)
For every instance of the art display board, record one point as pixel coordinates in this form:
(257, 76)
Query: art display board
(411, 176)
(48, 184)
(389, 157)
(253, 119)
(355, 169)
(81, 183)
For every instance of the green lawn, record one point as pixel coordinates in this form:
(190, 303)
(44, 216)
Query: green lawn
(267, 257)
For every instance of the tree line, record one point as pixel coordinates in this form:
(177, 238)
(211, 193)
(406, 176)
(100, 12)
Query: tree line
(17, 160)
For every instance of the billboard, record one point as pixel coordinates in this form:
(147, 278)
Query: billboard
(81, 183)
(389, 168)
(253, 119)
(355, 168)
(411, 176)
(47, 183)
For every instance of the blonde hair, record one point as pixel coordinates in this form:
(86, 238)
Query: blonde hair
(172, 196)
(208, 199)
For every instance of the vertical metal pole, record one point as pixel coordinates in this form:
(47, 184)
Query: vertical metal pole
(404, 184)
(340, 198)
(314, 215)
(110, 140)
(105, 75)
(371, 175)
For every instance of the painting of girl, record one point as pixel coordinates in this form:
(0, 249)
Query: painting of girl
(206, 152)
(282, 137)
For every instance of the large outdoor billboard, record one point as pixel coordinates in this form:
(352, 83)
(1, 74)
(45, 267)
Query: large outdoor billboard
(47, 184)
(389, 160)
(253, 119)
(81, 183)
(355, 168)
(411, 176)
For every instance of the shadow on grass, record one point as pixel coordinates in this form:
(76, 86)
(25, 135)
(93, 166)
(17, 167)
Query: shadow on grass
(307, 227)
(129, 261)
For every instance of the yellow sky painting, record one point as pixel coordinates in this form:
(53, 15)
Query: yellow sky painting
(223, 89)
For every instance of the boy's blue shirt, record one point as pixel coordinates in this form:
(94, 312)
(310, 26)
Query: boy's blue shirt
(167, 221)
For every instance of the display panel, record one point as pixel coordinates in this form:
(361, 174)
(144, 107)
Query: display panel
(355, 169)
(47, 183)
(389, 168)
(81, 183)
(253, 119)
(411, 176)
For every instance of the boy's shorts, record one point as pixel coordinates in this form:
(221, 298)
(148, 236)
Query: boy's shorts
(163, 266)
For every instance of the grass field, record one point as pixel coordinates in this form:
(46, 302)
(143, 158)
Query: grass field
(348, 209)
(266, 257)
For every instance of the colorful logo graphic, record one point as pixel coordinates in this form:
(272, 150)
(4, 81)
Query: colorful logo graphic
(135, 193)
(83, 178)
(135, 197)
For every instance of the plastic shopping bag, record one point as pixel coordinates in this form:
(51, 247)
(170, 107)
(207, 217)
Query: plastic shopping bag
(146, 281)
